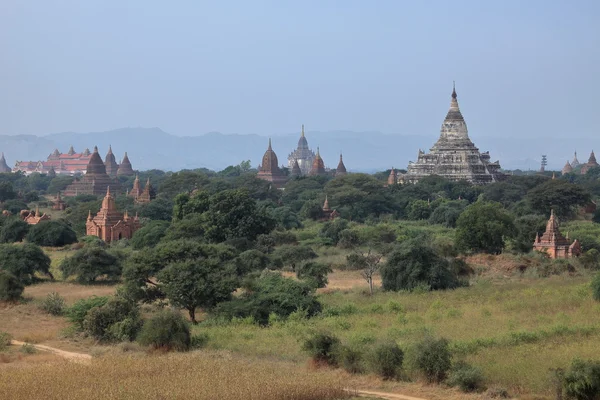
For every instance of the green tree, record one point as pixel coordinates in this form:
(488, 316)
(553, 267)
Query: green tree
(312, 209)
(413, 264)
(314, 273)
(447, 213)
(483, 227)
(149, 235)
(596, 287)
(293, 255)
(251, 260)
(14, 206)
(7, 191)
(51, 233)
(526, 228)
(13, 230)
(157, 209)
(23, 261)
(10, 287)
(90, 263)
(59, 183)
(271, 294)
(557, 194)
(331, 230)
(419, 209)
(198, 283)
(166, 330)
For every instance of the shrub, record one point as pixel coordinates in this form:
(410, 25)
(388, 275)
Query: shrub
(414, 263)
(51, 233)
(5, 339)
(467, 377)
(77, 312)
(166, 330)
(271, 294)
(322, 348)
(199, 341)
(149, 235)
(10, 287)
(118, 319)
(582, 380)
(433, 359)
(387, 360)
(314, 273)
(350, 359)
(596, 287)
(28, 349)
(23, 261)
(13, 230)
(91, 263)
(53, 304)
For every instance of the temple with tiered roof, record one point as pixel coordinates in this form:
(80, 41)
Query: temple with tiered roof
(110, 163)
(454, 156)
(109, 224)
(125, 168)
(318, 165)
(4, 168)
(553, 243)
(303, 155)
(95, 181)
(341, 168)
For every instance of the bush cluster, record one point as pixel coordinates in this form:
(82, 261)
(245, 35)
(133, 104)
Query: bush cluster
(53, 304)
(10, 287)
(167, 330)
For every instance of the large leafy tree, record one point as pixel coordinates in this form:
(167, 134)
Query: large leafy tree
(51, 233)
(558, 194)
(149, 235)
(414, 263)
(203, 282)
(23, 261)
(483, 227)
(90, 263)
(13, 229)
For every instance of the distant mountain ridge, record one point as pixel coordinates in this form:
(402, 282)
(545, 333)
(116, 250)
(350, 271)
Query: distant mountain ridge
(152, 148)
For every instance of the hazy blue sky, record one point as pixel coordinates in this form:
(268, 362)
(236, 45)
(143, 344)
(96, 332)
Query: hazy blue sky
(522, 67)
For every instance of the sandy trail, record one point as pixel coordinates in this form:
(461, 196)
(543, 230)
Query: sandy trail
(77, 357)
(385, 395)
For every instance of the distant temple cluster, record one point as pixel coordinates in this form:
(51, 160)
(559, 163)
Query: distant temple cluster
(575, 165)
(70, 163)
(301, 162)
(109, 224)
(553, 243)
(453, 156)
(141, 196)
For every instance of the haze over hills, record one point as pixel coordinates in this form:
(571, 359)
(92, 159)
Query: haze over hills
(150, 148)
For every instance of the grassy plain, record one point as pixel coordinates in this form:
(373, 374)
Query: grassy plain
(197, 375)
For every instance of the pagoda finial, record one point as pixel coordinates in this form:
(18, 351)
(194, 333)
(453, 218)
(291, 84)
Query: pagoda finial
(270, 144)
(37, 211)
(89, 215)
(107, 191)
(302, 130)
(109, 149)
(148, 181)
(318, 153)
(453, 89)
(95, 149)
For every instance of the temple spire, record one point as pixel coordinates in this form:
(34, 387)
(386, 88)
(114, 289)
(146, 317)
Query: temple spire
(302, 130)
(270, 148)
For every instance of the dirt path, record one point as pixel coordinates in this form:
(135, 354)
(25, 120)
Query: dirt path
(384, 395)
(77, 357)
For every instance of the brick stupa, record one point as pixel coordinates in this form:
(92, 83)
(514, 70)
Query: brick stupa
(341, 168)
(269, 169)
(318, 166)
(95, 181)
(125, 168)
(109, 224)
(553, 243)
(110, 163)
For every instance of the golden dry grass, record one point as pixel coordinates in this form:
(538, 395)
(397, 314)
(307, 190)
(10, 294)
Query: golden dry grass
(25, 322)
(197, 375)
(71, 292)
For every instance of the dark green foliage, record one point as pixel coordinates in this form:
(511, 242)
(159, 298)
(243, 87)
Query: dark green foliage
(582, 380)
(331, 230)
(387, 360)
(160, 209)
(351, 359)
(192, 227)
(596, 287)
(5, 340)
(560, 195)
(312, 209)
(348, 239)
(14, 206)
(30, 197)
(414, 264)
(198, 283)
(186, 205)
(59, 183)
(10, 287)
(90, 263)
(419, 209)
(77, 312)
(285, 217)
(118, 319)
(23, 261)
(467, 377)
(182, 181)
(483, 227)
(447, 213)
(7, 191)
(322, 348)
(251, 260)
(314, 273)
(77, 212)
(433, 359)
(51, 233)
(13, 230)
(293, 255)
(166, 330)
(53, 304)
(590, 259)
(271, 294)
(526, 228)
(149, 235)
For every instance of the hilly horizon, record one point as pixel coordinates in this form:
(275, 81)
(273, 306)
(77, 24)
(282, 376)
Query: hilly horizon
(152, 148)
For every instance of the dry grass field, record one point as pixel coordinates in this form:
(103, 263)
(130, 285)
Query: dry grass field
(197, 375)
